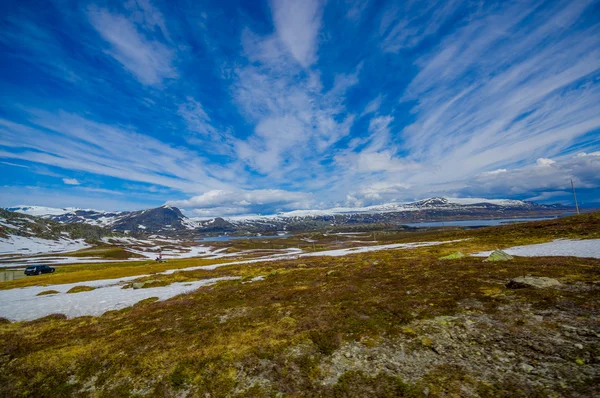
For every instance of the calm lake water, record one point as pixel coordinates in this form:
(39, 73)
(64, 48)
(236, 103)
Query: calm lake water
(226, 238)
(475, 223)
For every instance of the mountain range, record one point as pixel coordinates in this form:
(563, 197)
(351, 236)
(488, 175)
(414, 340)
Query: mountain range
(171, 221)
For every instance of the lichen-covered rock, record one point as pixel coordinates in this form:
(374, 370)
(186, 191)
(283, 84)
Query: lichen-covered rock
(145, 284)
(499, 255)
(453, 256)
(538, 282)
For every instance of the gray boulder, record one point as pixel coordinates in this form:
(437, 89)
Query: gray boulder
(538, 282)
(499, 255)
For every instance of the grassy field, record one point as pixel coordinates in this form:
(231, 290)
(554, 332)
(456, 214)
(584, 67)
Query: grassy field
(88, 272)
(384, 324)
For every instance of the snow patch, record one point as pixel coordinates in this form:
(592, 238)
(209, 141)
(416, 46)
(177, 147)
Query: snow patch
(29, 245)
(366, 249)
(24, 304)
(560, 247)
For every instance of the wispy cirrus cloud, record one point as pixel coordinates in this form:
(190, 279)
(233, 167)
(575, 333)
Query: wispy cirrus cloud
(500, 92)
(280, 104)
(546, 175)
(406, 25)
(542, 180)
(74, 143)
(297, 25)
(149, 60)
(296, 120)
(220, 202)
(70, 181)
(506, 98)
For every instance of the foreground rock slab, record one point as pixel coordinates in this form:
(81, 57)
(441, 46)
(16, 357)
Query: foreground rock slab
(538, 282)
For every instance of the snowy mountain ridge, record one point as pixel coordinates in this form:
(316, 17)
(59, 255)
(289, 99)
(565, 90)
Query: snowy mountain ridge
(429, 203)
(170, 220)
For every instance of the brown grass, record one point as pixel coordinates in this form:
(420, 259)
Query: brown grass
(211, 340)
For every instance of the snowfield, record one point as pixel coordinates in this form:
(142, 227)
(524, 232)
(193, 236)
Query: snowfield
(365, 249)
(559, 247)
(28, 245)
(24, 305)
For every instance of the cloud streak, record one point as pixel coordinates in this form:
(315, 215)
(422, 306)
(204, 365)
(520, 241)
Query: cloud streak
(148, 60)
(70, 181)
(74, 143)
(297, 24)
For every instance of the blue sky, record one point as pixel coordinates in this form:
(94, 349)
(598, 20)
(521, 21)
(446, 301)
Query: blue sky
(236, 107)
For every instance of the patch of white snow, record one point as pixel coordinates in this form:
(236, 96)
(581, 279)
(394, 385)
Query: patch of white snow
(560, 247)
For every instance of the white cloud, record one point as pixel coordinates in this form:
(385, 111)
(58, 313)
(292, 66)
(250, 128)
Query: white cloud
(499, 171)
(74, 143)
(217, 202)
(406, 26)
(373, 106)
(296, 121)
(544, 162)
(543, 176)
(70, 181)
(297, 24)
(15, 165)
(76, 197)
(196, 117)
(102, 190)
(547, 182)
(498, 93)
(356, 8)
(146, 15)
(149, 60)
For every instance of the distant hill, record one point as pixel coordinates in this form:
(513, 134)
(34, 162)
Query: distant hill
(162, 219)
(169, 220)
(22, 234)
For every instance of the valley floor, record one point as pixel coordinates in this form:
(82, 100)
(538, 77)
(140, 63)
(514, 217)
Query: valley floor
(323, 316)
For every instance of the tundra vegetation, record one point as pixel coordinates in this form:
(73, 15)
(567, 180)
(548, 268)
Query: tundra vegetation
(384, 324)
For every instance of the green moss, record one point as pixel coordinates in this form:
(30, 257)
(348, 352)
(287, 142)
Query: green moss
(46, 292)
(159, 283)
(499, 255)
(149, 300)
(358, 384)
(78, 289)
(327, 341)
(452, 256)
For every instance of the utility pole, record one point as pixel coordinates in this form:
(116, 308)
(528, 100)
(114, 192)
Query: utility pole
(575, 196)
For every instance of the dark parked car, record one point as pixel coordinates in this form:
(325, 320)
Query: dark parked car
(38, 269)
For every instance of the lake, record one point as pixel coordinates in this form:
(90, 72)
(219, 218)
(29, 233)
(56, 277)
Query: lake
(227, 238)
(475, 223)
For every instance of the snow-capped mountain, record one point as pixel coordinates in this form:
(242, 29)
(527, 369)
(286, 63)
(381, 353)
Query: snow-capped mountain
(160, 219)
(170, 220)
(431, 209)
(467, 204)
(30, 227)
